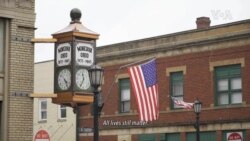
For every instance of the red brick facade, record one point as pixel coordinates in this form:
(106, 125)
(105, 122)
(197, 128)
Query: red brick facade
(199, 82)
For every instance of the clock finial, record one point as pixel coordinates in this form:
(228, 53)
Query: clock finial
(75, 15)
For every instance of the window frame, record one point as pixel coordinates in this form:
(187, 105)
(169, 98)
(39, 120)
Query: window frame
(219, 75)
(204, 135)
(173, 76)
(176, 136)
(4, 52)
(40, 110)
(4, 74)
(147, 137)
(4, 47)
(121, 103)
(60, 108)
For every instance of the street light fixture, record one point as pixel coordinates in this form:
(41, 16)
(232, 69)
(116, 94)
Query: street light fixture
(197, 110)
(95, 76)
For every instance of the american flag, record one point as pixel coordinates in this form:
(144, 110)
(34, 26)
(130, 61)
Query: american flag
(145, 88)
(182, 104)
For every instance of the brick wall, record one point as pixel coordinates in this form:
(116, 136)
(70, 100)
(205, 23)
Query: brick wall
(198, 82)
(20, 69)
(21, 55)
(196, 52)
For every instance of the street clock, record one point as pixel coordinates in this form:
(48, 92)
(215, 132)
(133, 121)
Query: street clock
(74, 55)
(72, 61)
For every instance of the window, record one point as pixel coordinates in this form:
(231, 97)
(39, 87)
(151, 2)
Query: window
(176, 87)
(163, 137)
(2, 34)
(228, 85)
(42, 109)
(147, 137)
(62, 113)
(173, 137)
(2, 56)
(1, 87)
(204, 136)
(124, 95)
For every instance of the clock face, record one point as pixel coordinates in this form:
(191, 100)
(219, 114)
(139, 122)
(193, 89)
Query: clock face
(82, 79)
(64, 79)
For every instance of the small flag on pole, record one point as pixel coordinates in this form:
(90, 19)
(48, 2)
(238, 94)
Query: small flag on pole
(182, 104)
(145, 87)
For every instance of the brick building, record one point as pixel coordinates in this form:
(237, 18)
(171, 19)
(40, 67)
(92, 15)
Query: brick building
(17, 20)
(211, 63)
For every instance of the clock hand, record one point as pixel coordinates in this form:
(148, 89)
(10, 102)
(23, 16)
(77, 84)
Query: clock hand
(82, 80)
(66, 82)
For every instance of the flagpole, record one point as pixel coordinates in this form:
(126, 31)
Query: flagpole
(120, 68)
(132, 64)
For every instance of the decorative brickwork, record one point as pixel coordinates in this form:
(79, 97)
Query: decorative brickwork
(20, 18)
(196, 53)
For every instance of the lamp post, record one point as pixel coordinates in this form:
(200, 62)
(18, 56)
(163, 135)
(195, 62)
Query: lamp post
(197, 110)
(95, 77)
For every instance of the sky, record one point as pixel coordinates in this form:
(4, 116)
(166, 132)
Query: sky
(126, 20)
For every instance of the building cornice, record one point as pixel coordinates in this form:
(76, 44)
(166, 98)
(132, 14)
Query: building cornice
(17, 13)
(170, 48)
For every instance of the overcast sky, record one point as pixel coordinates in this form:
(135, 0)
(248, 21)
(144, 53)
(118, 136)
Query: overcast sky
(125, 20)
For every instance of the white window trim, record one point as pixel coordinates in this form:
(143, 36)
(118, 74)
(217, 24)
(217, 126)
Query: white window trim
(124, 101)
(59, 112)
(40, 110)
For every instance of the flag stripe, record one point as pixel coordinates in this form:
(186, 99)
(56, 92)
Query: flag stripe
(154, 94)
(141, 91)
(144, 105)
(144, 93)
(146, 96)
(153, 101)
(135, 88)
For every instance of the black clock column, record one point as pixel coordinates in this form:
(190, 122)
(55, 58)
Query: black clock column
(74, 55)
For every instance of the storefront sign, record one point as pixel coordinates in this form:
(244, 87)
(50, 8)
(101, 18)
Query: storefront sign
(84, 54)
(63, 54)
(42, 135)
(234, 136)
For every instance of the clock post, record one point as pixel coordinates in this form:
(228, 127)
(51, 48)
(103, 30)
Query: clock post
(74, 55)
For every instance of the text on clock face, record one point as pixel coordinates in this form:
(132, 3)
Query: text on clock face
(84, 61)
(84, 54)
(84, 48)
(63, 48)
(63, 54)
